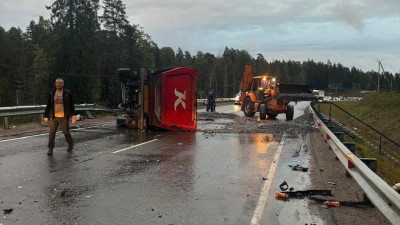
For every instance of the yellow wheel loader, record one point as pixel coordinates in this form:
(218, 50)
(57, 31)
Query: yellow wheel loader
(265, 95)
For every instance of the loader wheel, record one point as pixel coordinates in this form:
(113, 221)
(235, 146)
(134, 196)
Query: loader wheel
(263, 111)
(248, 107)
(271, 115)
(289, 112)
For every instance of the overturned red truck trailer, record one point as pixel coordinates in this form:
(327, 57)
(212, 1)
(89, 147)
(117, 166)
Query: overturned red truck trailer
(164, 98)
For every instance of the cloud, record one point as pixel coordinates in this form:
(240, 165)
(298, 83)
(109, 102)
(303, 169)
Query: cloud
(18, 13)
(304, 28)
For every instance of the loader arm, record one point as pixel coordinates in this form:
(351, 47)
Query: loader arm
(244, 85)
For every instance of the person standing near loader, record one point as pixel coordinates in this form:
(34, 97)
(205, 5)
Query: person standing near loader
(60, 107)
(210, 101)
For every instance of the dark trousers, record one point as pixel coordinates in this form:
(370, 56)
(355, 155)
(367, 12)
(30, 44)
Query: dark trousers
(211, 105)
(64, 124)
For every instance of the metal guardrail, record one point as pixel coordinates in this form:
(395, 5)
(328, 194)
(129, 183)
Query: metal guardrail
(381, 195)
(39, 109)
(204, 101)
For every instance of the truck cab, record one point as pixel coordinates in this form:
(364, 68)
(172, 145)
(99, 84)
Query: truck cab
(162, 98)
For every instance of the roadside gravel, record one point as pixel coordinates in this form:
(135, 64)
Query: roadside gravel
(237, 124)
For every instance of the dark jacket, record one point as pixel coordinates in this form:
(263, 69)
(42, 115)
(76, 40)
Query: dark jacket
(69, 108)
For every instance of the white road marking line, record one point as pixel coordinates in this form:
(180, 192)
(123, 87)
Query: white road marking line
(23, 137)
(264, 193)
(37, 135)
(133, 146)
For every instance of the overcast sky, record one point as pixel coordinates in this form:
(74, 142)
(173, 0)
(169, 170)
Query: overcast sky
(351, 32)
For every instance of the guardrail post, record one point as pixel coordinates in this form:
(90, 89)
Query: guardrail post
(330, 111)
(5, 122)
(339, 135)
(372, 163)
(380, 142)
(351, 146)
(89, 115)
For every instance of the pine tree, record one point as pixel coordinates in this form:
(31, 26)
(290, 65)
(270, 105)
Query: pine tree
(114, 16)
(75, 24)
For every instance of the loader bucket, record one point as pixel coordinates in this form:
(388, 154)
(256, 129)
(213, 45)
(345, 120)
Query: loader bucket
(295, 92)
(293, 88)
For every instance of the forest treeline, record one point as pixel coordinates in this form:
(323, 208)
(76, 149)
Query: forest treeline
(86, 48)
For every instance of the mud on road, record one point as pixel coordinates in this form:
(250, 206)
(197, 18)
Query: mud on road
(232, 123)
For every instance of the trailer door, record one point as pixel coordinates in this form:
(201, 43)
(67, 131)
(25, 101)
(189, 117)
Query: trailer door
(179, 99)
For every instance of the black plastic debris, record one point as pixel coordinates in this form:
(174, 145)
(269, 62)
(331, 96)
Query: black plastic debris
(307, 193)
(299, 168)
(7, 211)
(284, 186)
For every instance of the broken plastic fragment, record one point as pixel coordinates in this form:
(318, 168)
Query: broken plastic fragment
(7, 211)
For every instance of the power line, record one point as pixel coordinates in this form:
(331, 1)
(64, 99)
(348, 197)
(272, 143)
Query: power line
(84, 75)
(391, 58)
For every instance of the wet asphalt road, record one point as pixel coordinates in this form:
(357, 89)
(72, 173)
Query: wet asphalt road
(121, 176)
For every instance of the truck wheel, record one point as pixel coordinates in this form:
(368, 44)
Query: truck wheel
(289, 112)
(263, 111)
(121, 122)
(271, 115)
(248, 107)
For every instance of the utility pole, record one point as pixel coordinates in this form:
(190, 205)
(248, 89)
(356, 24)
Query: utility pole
(379, 72)
(383, 71)
(17, 92)
(225, 84)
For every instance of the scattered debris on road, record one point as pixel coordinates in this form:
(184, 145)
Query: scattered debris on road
(335, 203)
(284, 186)
(205, 119)
(299, 168)
(300, 125)
(8, 211)
(307, 193)
(281, 195)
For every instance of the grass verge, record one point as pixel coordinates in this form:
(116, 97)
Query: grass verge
(371, 113)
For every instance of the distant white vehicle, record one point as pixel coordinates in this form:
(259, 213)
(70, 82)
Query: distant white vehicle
(319, 94)
(326, 99)
(237, 98)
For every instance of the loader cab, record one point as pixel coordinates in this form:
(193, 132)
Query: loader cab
(257, 87)
(262, 86)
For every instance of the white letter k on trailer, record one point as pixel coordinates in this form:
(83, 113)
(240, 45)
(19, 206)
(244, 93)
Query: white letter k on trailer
(181, 97)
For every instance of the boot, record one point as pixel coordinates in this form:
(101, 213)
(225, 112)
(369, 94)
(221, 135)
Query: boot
(50, 152)
(70, 147)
